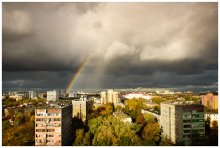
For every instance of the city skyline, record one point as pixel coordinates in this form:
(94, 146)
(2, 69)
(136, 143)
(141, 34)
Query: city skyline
(125, 45)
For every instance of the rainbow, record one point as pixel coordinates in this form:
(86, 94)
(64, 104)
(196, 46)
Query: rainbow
(76, 75)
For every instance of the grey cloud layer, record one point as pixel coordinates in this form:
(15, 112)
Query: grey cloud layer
(123, 40)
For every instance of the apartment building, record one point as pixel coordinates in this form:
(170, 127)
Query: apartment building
(32, 94)
(80, 109)
(110, 96)
(183, 124)
(53, 95)
(210, 101)
(53, 126)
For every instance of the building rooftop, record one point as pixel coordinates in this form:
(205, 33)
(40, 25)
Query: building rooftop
(182, 103)
(55, 105)
(120, 114)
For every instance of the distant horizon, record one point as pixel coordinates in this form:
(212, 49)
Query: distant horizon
(102, 89)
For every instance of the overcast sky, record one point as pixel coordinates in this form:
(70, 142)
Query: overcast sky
(129, 45)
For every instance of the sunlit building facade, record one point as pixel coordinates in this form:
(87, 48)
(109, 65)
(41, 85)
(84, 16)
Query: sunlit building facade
(53, 95)
(32, 94)
(210, 101)
(183, 124)
(53, 126)
(110, 97)
(80, 109)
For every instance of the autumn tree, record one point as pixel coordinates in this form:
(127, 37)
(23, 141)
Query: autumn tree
(157, 99)
(82, 138)
(22, 135)
(151, 133)
(140, 119)
(133, 107)
(112, 131)
(149, 118)
(19, 119)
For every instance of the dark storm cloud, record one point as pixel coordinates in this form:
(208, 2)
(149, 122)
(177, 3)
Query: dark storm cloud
(128, 44)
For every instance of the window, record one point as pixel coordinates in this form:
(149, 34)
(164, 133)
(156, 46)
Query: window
(187, 116)
(50, 140)
(50, 125)
(40, 130)
(56, 119)
(186, 121)
(186, 131)
(50, 135)
(186, 126)
(39, 125)
(50, 130)
(40, 114)
(40, 119)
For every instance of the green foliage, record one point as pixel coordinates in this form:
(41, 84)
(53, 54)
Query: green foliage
(109, 108)
(104, 110)
(9, 102)
(111, 131)
(118, 108)
(6, 125)
(157, 99)
(19, 119)
(149, 118)
(82, 139)
(151, 133)
(20, 135)
(165, 142)
(133, 107)
(140, 119)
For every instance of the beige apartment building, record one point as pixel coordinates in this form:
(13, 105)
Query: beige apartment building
(53, 126)
(183, 124)
(210, 101)
(110, 97)
(80, 109)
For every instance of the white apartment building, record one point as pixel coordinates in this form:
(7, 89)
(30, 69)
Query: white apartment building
(32, 94)
(53, 95)
(110, 97)
(137, 96)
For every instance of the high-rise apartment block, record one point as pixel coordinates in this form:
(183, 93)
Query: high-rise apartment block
(183, 123)
(210, 101)
(80, 109)
(53, 126)
(32, 94)
(53, 95)
(110, 97)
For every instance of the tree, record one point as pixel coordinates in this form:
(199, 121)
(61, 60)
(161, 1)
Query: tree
(109, 108)
(19, 119)
(165, 142)
(22, 135)
(82, 139)
(28, 116)
(149, 118)
(118, 108)
(151, 133)
(5, 126)
(140, 119)
(133, 107)
(157, 100)
(112, 131)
